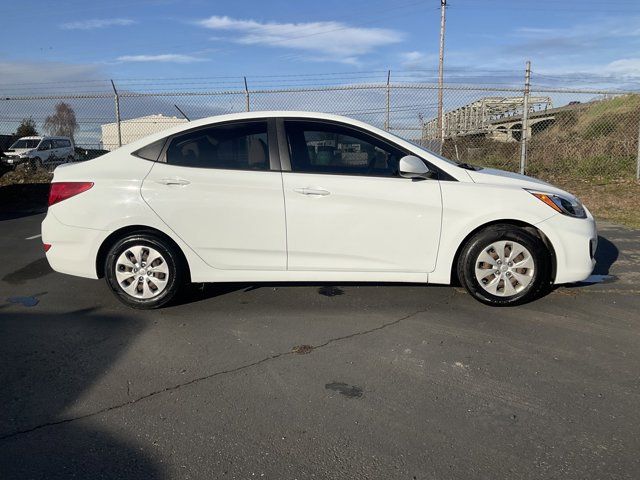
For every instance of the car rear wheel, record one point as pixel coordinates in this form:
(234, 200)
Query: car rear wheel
(144, 271)
(504, 265)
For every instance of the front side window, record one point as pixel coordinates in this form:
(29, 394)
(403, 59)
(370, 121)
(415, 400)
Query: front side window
(45, 145)
(232, 146)
(317, 147)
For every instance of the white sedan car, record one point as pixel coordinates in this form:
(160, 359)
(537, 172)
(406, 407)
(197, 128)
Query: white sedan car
(299, 196)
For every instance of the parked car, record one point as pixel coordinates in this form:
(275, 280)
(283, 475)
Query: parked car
(40, 151)
(298, 196)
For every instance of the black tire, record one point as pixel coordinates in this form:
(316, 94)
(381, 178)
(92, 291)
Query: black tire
(174, 263)
(540, 278)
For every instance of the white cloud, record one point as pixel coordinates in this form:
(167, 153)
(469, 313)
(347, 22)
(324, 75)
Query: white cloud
(415, 59)
(328, 41)
(624, 66)
(94, 23)
(164, 57)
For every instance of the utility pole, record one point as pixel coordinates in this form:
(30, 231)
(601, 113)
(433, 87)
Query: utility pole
(525, 119)
(443, 9)
(387, 119)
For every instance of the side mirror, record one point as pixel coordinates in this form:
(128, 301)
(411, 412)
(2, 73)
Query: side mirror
(413, 167)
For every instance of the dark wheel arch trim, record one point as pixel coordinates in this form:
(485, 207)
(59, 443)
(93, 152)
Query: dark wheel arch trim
(516, 223)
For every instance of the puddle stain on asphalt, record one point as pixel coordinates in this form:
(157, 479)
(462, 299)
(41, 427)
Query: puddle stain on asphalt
(302, 349)
(349, 391)
(24, 301)
(36, 269)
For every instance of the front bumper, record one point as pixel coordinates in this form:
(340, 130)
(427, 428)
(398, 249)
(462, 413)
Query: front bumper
(574, 241)
(12, 161)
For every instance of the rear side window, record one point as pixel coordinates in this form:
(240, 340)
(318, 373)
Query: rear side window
(239, 146)
(61, 143)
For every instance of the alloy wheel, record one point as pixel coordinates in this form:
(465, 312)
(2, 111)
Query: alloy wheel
(142, 272)
(504, 268)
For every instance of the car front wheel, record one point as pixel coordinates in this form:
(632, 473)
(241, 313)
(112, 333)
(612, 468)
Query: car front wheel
(144, 271)
(504, 265)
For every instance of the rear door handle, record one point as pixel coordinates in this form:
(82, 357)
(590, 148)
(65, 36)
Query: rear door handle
(173, 181)
(320, 192)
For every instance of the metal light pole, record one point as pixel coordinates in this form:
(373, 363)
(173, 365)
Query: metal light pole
(443, 9)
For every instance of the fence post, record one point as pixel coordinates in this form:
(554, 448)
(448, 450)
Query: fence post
(387, 125)
(246, 94)
(638, 155)
(117, 100)
(525, 119)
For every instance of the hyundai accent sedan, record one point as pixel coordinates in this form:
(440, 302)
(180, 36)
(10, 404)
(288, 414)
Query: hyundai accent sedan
(299, 196)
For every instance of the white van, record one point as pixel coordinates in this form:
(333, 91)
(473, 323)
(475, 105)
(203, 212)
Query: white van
(40, 151)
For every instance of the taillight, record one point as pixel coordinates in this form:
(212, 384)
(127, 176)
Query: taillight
(46, 246)
(60, 191)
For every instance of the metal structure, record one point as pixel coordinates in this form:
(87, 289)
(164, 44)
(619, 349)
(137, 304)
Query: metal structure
(479, 116)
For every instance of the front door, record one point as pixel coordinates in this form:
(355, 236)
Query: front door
(215, 187)
(347, 207)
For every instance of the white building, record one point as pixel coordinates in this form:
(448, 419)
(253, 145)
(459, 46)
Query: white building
(136, 128)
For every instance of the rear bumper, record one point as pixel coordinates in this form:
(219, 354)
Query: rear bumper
(73, 249)
(574, 241)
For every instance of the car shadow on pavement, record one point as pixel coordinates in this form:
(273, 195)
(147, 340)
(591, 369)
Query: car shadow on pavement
(203, 291)
(606, 255)
(48, 362)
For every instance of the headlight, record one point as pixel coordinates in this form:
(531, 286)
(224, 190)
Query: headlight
(561, 204)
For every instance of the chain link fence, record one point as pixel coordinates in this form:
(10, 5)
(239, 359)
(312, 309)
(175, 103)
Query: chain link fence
(569, 133)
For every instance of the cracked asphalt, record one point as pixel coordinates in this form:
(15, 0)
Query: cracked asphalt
(317, 381)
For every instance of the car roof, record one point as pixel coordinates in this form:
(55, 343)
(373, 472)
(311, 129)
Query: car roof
(264, 114)
(43, 137)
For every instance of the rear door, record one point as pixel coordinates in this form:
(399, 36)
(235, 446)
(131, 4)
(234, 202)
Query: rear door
(219, 189)
(347, 207)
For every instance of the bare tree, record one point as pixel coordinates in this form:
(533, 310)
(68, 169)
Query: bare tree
(26, 128)
(62, 122)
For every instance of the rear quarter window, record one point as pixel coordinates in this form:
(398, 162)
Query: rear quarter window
(152, 151)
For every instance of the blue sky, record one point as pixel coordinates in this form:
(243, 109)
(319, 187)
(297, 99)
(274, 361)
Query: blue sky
(580, 41)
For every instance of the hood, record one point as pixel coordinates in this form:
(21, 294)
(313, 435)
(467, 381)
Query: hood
(18, 151)
(502, 177)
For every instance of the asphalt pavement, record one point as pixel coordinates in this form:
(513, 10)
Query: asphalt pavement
(317, 381)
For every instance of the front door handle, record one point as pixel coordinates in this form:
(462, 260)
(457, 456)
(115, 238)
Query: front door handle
(320, 192)
(173, 181)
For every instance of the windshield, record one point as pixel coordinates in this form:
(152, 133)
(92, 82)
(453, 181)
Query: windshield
(26, 143)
